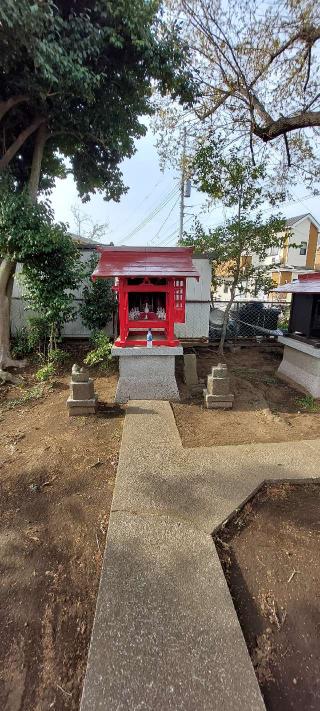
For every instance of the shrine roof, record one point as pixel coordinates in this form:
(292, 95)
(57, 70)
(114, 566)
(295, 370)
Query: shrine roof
(145, 261)
(305, 284)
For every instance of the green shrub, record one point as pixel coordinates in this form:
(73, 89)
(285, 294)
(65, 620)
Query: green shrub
(57, 356)
(99, 300)
(32, 338)
(45, 372)
(101, 353)
(20, 343)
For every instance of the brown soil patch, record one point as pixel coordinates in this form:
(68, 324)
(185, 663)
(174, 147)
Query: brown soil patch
(265, 408)
(270, 553)
(57, 477)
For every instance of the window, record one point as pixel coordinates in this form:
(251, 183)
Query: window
(303, 248)
(225, 287)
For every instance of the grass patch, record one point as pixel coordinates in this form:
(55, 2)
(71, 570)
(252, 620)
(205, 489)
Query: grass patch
(255, 375)
(308, 403)
(34, 393)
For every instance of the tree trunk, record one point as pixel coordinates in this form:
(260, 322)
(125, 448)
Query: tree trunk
(227, 311)
(225, 323)
(7, 267)
(40, 141)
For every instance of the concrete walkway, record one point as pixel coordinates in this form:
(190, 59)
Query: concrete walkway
(166, 635)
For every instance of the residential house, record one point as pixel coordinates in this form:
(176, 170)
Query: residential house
(300, 254)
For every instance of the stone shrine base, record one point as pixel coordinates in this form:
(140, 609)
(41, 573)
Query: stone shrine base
(300, 365)
(147, 373)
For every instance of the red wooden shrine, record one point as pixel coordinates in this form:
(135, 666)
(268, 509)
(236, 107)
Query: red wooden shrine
(150, 283)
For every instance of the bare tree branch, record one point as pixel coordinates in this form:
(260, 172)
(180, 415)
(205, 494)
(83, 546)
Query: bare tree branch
(285, 124)
(286, 142)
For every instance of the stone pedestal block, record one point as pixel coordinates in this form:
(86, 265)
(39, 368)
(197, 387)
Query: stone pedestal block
(300, 365)
(217, 394)
(82, 407)
(147, 373)
(82, 391)
(218, 386)
(219, 371)
(215, 402)
(82, 399)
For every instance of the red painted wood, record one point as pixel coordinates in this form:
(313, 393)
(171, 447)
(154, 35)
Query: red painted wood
(145, 261)
(179, 287)
(172, 265)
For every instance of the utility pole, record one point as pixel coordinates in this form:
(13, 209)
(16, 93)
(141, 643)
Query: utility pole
(184, 143)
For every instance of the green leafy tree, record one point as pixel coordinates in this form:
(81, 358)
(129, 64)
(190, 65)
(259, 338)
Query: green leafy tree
(75, 79)
(98, 300)
(51, 266)
(246, 237)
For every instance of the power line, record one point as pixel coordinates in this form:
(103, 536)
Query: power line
(137, 207)
(173, 234)
(166, 219)
(151, 215)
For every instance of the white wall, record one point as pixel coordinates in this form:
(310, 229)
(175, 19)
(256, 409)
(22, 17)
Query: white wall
(198, 299)
(300, 233)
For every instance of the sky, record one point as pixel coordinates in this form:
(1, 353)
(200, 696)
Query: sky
(149, 212)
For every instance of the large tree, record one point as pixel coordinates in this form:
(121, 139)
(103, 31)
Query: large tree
(239, 245)
(75, 78)
(257, 66)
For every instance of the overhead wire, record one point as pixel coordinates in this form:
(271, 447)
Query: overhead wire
(173, 234)
(151, 215)
(165, 220)
(146, 197)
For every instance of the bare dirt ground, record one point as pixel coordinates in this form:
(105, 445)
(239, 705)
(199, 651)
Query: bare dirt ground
(57, 476)
(265, 408)
(271, 559)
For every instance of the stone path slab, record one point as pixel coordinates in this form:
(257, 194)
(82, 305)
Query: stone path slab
(166, 635)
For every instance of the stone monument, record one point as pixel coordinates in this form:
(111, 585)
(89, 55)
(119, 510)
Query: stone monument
(217, 394)
(190, 370)
(82, 399)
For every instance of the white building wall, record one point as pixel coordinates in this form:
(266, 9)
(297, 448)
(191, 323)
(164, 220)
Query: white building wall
(198, 299)
(300, 233)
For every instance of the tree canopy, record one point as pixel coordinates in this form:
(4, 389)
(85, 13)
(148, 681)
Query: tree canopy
(76, 77)
(51, 266)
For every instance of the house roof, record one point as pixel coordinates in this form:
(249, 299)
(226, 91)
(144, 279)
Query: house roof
(145, 261)
(305, 284)
(292, 221)
(86, 242)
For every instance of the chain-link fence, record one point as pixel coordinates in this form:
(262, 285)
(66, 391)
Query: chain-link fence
(255, 320)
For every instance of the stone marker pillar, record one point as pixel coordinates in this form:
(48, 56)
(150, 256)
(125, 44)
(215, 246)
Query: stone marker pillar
(217, 394)
(190, 370)
(82, 399)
